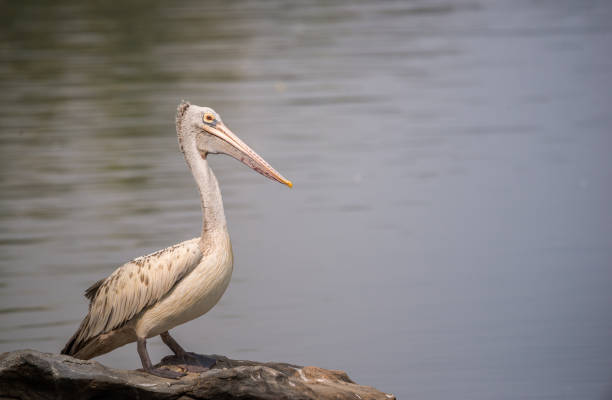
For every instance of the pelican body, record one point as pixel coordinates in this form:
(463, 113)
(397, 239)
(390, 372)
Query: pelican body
(152, 294)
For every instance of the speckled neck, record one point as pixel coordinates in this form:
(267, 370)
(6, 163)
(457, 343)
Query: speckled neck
(213, 215)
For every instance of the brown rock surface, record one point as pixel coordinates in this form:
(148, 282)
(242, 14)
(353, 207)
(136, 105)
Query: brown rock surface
(29, 374)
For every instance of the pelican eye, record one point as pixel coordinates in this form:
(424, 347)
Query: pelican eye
(208, 117)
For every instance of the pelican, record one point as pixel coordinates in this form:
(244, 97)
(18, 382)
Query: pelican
(152, 294)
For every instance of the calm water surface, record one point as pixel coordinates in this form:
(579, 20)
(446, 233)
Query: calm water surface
(449, 234)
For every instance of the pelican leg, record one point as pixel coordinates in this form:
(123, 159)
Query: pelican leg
(174, 346)
(186, 357)
(141, 345)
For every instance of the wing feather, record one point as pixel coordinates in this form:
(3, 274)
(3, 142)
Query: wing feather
(134, 286)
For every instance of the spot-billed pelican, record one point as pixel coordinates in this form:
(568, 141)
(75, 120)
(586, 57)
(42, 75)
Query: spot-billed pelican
(152, 294)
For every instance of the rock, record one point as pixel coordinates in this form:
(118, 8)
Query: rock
(29, 374)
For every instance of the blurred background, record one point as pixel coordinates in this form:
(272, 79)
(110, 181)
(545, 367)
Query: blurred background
(449, 234)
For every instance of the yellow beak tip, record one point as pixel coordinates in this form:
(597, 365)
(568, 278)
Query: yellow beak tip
(289, 183)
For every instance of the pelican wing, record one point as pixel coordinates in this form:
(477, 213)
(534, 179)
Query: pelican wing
(133, 287)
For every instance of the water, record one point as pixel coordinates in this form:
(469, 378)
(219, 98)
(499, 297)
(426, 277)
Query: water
(449, 233)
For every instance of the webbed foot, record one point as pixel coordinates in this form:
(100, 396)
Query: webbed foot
(191, 362)
(194, 359)
(141, 346)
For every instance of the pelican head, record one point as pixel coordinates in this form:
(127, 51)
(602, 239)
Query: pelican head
(203, 128)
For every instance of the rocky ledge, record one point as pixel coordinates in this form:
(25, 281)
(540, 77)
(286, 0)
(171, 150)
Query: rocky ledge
(29, 374)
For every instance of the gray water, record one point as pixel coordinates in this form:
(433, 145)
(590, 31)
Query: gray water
(449, 234)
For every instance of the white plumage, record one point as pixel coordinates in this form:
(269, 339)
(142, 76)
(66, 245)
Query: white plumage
(152, 294)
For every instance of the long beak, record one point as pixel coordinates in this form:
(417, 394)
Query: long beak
(244, 153)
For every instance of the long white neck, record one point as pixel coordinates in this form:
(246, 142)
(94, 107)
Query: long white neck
(213, 216)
